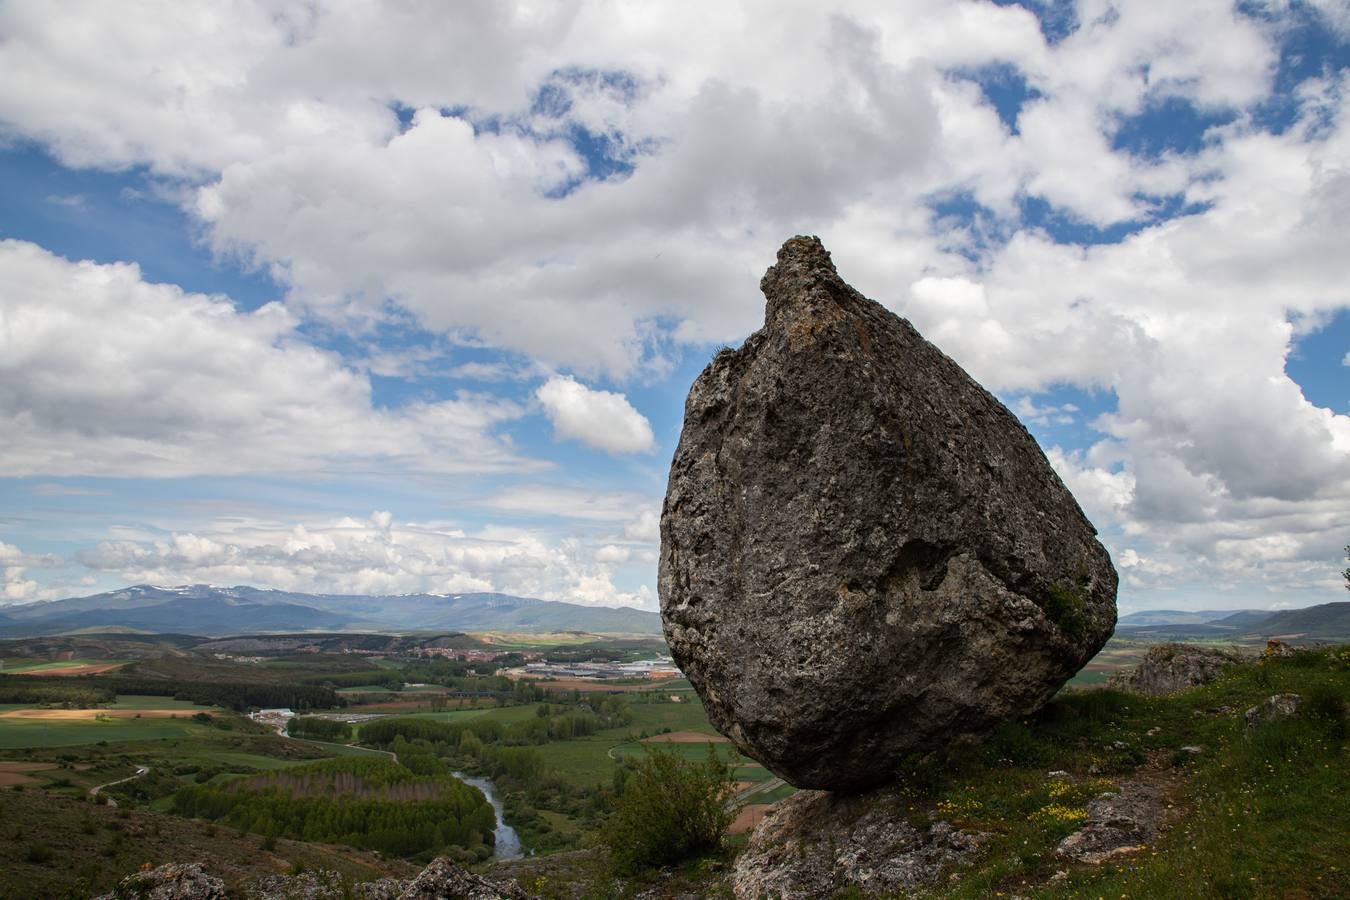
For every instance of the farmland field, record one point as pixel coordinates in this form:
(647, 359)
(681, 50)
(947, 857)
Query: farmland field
(62, 667)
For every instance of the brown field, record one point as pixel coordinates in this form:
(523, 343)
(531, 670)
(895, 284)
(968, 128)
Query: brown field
(74, 715)
(12, 773)
(748, 817)
(684, 737)
(78, 669)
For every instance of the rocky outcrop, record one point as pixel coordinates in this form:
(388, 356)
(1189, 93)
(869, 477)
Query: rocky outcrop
(1117, 823)
(323, 885)
(171, 881)
(1273, 708)
(442, 879)
(1170, 668)
(817, 843)
(863, 553)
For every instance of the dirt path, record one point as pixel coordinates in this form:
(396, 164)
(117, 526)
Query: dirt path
(140, 771)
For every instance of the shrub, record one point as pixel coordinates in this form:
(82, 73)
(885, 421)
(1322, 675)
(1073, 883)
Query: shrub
(1326, 706)
(671, 809)
(39, 854)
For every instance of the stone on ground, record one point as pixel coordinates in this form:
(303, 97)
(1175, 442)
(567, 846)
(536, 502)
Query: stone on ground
(817, 844)
(1171, 668)
(864, 554)
(1118, 823)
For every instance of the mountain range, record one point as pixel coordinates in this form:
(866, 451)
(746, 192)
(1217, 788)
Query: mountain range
(212, 611)
(1326, 621)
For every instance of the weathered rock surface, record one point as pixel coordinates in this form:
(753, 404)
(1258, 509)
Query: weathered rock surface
(323, 885)
(864, 553)
(1117, 823)
(171, 881)
(443, 880)
(1273, 708)
(1170, 668)
(816, 843)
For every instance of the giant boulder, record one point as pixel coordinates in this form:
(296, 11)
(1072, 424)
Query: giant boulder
(863, 553)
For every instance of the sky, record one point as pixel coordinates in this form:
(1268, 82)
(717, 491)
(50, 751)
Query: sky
(391, 297)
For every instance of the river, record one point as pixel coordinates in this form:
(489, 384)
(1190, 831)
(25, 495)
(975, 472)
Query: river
(506, 840)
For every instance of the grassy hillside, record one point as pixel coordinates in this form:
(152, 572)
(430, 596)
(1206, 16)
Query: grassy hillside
(1254, 812)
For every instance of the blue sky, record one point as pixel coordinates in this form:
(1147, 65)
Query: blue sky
(375, 298)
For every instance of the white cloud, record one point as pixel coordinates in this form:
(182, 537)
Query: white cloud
(15, 586)
(599, 419)
(102, 373)
(743, 124)
(376, 555)
(560, 501)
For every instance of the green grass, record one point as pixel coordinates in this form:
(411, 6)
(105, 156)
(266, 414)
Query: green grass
(19, 666)
(1265, 812)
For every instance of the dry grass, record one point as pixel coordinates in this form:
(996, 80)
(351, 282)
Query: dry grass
(78, 715)
(12, 773)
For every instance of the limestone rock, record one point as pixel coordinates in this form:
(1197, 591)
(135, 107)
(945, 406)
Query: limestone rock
(1277, 706)
(171, 881)
(324, 884)
(1117, 823)
(1170, 668)
(443, 880)
(864, 553)
(816, 843)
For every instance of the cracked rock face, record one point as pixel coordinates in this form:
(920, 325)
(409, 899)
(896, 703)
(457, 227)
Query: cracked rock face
(815, 843)
(863, 553)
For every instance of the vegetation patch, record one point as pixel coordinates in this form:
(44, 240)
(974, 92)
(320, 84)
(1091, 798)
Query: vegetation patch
(374, 804)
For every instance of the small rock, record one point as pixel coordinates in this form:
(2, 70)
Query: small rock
(1154, 731)
(171, 881)
(1119, 745)
(819, 843)
(1277, 706)
(1117, 823)
(1058, 774)
(1170, 668)
(1277, 648)
(1192, 749)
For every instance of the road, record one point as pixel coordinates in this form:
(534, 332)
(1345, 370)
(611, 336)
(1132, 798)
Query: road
(762, 787)
(140, 770)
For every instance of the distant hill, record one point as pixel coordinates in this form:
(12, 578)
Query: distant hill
(1178, 617)
(1324, 622)
(216, 611)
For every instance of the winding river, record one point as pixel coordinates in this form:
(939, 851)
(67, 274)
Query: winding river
(507, 842)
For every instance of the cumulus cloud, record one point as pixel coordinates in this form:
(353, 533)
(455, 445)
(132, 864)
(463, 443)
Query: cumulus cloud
(15, 585)
(600, 419)
(377, 555)
(103, 373)
(377, 158)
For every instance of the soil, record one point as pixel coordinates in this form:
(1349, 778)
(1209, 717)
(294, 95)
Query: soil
(748, 817)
